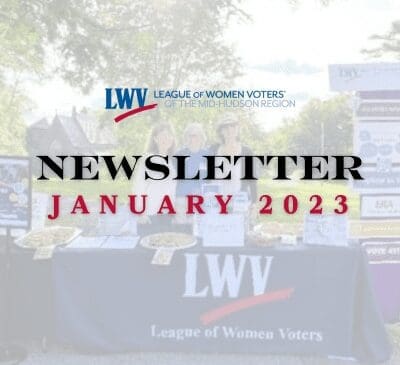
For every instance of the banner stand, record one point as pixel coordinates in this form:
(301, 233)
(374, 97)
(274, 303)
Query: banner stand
(9, 352)
(14, 170)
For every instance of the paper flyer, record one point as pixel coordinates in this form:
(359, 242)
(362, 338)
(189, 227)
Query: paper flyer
(199, 182)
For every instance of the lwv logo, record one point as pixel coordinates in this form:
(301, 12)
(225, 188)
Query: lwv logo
(226, 275)
(124, 98)
(349, 73)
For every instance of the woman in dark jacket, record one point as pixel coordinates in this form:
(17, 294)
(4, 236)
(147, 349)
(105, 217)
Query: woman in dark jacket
(228, 132)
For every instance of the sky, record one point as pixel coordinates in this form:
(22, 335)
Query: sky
(281, 48)
(291, 49)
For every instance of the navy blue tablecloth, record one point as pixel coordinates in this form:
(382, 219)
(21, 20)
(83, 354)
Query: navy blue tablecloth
(310, 300)
(30, 290)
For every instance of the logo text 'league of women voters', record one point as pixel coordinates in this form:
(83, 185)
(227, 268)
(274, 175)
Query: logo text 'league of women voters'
(124, 98)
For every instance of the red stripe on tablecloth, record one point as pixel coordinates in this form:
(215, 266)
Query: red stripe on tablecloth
(244, 303)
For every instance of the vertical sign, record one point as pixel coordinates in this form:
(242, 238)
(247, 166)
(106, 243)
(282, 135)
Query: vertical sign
(15, 192)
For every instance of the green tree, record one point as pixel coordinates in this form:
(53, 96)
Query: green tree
(387, 43)
(297, 3)
(158, 43)
(322, 127)
(12, 128)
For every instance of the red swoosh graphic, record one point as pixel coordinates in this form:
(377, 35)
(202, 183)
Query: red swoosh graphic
(244, 303)
(127, 114)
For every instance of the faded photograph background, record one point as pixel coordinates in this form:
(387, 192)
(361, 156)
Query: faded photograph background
(89, 290)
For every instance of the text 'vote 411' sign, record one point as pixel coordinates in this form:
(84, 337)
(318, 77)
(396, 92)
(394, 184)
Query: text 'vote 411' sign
(383, 251)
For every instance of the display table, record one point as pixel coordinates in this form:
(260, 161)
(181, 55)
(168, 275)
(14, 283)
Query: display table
(309, 300)
(387, 289)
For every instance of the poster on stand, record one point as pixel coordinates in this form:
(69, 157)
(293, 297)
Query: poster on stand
(15, 192)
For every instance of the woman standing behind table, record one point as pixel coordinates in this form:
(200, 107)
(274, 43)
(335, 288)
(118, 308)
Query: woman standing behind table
(228, 131)
(194, 140)
(162, 142)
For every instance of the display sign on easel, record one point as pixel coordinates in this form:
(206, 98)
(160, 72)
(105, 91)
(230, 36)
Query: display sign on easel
(376, 111)
(326, 230)
(15, 212)
(222, 230)
(15, 192)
